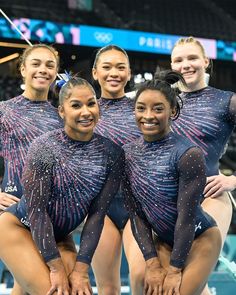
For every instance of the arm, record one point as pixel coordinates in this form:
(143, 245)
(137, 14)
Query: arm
(141, 229)
(37, 183)
(94, 224)
(218, 184)
(192, 179)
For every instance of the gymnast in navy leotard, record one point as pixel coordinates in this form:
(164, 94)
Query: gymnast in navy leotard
(22, 120)
(111, 70)
(165, 179)
(26, 117)
(69, 174)
(207, 119)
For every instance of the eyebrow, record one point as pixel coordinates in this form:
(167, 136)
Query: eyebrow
(37, 59)
(76, 100)
(158, 103)
(120, 63)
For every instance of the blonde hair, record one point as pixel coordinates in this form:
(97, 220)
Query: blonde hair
(188, 40)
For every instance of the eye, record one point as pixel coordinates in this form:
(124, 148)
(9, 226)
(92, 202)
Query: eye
(91, 103)
(106, 67)
(75, 105)
(140, 108)
(121, 68)
(158, 109)
(177, 60)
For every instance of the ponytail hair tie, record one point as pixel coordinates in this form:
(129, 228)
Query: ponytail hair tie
(65, 78)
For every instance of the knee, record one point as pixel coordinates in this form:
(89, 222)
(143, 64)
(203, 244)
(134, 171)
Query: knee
(137, 276)
(109, 289)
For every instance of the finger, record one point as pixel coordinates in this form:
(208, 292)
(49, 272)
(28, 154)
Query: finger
(209, 186)
(2, 207)
(51, 291)
(177, 291)
(212, 191)
(210, 179)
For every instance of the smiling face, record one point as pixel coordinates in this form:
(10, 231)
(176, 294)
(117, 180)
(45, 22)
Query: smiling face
(80, 113)
(153, 112)
(39, 71)
(189, 60)
(112, 72)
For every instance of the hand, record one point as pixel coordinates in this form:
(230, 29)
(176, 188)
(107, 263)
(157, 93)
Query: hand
(172, 281)
(58, 277)
(79, 280)
(218, 184)
(154, 277)
(6, 200)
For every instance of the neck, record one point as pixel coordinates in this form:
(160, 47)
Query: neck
(36, 95)
(192, 88)
(112, 95)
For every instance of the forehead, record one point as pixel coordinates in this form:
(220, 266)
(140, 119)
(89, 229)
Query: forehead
(41, 53)
(185, 50)
(82, 92)
(112, 55)
(152, 97)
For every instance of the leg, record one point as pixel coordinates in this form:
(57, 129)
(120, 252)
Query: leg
(221, 210)
(201, 260)
(68, 255)
(135, 260)
(215, 207)
(107, 259)
(19, 252)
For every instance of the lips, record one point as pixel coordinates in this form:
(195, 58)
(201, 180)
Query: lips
(113, 82)
(85, 122)
(150, 125)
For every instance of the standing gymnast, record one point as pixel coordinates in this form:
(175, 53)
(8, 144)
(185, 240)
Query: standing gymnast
(111, 70)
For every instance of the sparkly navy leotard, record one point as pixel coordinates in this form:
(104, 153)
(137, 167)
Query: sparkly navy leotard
(117, 123)
(64, 181)
(21, 121)
(164, 186)
(207, 118)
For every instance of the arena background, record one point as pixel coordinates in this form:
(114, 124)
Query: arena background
(66, 24)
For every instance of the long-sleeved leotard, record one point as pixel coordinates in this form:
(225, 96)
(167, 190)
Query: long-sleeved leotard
(21, 121)
(165, 185)
(64, 181)
(117, 123)
(207, 119)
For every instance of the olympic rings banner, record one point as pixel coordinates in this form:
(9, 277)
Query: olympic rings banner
(51, 32)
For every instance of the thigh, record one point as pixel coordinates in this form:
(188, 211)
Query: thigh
(201, 261)
(133, 253)
(107, 257)
(21, 256)
(135, 259)
(221, 210)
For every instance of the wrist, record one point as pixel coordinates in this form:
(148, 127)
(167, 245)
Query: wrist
(173, 270)
(55, 265)
(153, 262)
(81, 267)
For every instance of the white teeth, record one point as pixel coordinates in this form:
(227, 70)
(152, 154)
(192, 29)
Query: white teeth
(84, 121)
(149, 124)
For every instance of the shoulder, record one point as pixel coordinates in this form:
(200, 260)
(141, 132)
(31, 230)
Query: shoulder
(182, 145)
(43, 147)
(112, 149)
(220, 92)
(108, 143)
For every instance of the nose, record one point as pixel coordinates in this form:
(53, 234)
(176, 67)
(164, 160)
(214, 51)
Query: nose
(42, 68)
(185, 64)
(148, 115)
(113, 72)
(85, 111)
